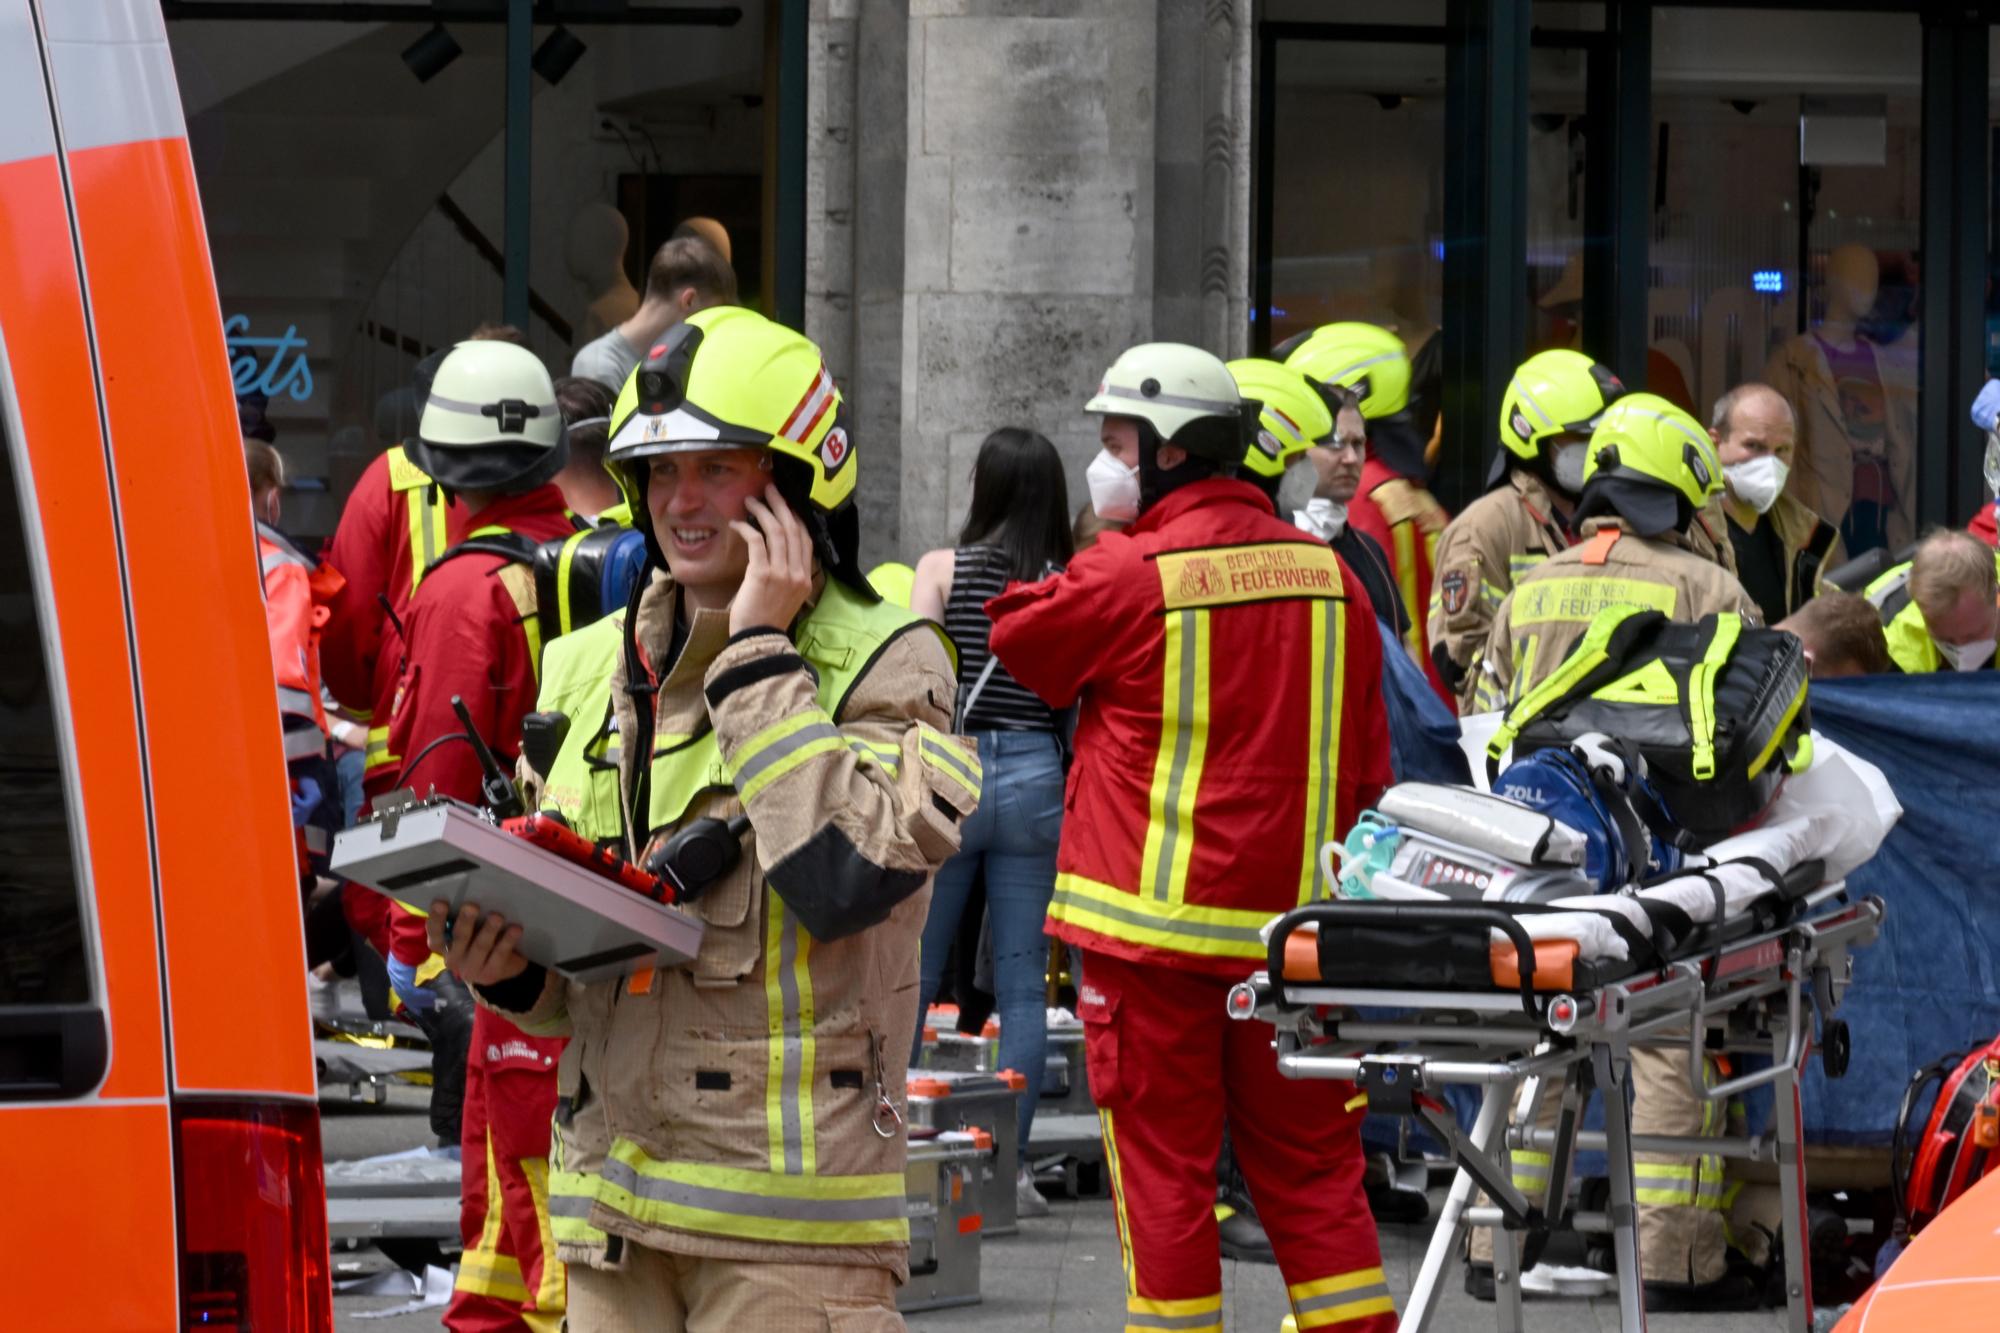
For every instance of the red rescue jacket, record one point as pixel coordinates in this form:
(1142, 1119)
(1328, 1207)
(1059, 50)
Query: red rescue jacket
(464, 635)
(296, 594)
(1231, 723)
(1405, 521)
(394, 525)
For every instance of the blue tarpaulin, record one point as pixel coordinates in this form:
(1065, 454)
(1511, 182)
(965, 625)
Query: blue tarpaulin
(1931, 984)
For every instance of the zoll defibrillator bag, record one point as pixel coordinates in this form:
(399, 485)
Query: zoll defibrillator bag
(1716, 707)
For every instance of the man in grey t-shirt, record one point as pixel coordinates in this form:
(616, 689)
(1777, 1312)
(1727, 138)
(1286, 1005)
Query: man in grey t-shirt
(687, 274)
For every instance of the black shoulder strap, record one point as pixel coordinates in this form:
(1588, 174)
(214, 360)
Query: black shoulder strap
(509, 546)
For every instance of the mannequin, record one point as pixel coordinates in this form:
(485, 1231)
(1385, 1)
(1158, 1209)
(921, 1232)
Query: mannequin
(594, 253)
(1854, 461)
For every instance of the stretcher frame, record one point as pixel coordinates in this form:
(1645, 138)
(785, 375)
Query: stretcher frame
(1758, 994)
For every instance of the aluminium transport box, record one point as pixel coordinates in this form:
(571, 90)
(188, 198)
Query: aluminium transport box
(574, 920)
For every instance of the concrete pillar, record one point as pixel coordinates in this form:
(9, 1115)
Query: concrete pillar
(1001, 202)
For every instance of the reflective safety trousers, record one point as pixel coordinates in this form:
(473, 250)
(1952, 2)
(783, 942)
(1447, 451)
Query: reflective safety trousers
(1231, 724)
(747, 1105)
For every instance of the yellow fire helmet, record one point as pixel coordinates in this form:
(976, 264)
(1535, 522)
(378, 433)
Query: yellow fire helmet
(1367, 360)
(1557, 392)
(728, 378)
(1292, 415)
(1651, 464)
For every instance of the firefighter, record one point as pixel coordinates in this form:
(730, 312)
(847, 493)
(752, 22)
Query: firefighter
(1231, 723)
(1391, 504)
(492, 436)
(1937, 608)
(1546, 416)
(1308, 459)
(1650, 470)
(729, 1140)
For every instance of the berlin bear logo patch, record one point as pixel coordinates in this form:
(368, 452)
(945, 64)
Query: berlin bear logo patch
(1453, 592)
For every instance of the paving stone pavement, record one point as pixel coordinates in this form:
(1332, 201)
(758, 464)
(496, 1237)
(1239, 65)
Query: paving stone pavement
(1061, 1275)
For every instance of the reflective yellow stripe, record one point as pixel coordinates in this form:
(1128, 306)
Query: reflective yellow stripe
(483, 1270)
(552, 1292)
(1337, 1299)
(376, 753)
(1118, 1201)
(1701, 694)
(778, 749)
(1194, 1314)
(1219, 932)
(1329, 659)
(889, 757)
(1579, 600)
(1177, 766)
(788, 1081)
(570, 1196)
(949, 759)
(1404, 538)
(563, 562)
(427, 531)
(759, 1205)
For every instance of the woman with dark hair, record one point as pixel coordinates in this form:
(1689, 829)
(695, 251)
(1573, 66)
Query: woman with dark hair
(1017, 530)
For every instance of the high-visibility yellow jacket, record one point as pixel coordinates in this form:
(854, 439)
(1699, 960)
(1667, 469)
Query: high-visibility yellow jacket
(748, 1104)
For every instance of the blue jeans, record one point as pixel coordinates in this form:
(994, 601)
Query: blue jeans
(1012, 836)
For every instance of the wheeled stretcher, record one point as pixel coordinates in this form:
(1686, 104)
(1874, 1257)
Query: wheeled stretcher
(1510, 999)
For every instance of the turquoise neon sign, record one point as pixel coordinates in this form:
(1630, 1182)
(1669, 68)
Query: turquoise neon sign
(269, 366)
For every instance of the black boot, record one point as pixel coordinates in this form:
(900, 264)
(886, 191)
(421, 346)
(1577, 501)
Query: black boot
(1732, 1291)
(1243, 1237)
(1479, 1281)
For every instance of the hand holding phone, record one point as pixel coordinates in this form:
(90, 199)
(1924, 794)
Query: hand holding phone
(779, 576)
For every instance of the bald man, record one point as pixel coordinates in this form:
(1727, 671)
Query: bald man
(1781, 546)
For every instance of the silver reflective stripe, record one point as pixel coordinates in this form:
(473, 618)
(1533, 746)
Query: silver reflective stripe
(1529, 399)
(114, 77)
(304, 743)
(25, 131)
(778, 749)
(1664, 1184)
(892, 765)
(1530, 1170)
(295, 701)
(1187, 630)
(793, 1047)
(1216, 406)
(479, 409)
(1339, 376)
(1210, 1319)
(885, 1209)
(1132, 916)
(1373, 1291)
(950, 759)
(572, 1205)
(1328, 738)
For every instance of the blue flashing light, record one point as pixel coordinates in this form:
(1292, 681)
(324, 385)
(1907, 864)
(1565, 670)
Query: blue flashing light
(1768, 280)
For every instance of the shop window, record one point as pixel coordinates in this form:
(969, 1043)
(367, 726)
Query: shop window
(1786, 221)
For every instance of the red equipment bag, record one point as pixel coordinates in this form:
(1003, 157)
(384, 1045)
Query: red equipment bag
(551, 834)
(1959, 1136)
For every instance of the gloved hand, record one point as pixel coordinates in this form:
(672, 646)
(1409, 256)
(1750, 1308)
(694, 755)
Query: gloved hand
(403, 980)
(1986, 407)
(306, 797)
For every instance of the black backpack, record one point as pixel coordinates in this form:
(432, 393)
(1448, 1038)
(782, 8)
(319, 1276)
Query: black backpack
(1716, 707)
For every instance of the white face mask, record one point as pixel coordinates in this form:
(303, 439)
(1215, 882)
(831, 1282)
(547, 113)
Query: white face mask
(1114, 488)
(1567, 466)
(1324, 519)
(1967, 656)
(1759, 481)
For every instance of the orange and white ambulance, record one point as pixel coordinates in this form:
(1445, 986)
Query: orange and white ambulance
(159, 1139)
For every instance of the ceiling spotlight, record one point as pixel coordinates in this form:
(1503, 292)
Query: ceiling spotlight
(430, 53)
(558, 51)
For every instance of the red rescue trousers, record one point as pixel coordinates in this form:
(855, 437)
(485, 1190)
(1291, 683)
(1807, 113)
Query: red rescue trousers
(1167, 1065)
(509, 1277)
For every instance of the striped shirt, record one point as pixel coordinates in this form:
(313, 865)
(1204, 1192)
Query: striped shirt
(978, 573)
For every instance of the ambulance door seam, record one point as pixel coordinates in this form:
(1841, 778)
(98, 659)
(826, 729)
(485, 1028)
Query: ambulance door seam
(118, 538)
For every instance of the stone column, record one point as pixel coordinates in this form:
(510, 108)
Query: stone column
(1012, 205)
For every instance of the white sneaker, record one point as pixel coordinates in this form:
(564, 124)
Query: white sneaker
(322, 998)
(1028, 1201)
(1555, 1280)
